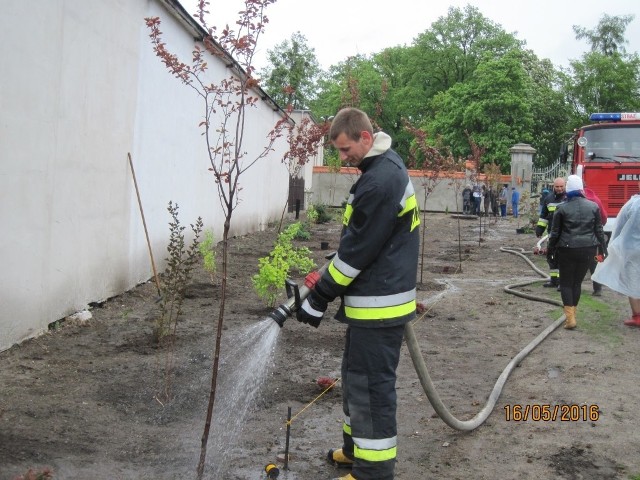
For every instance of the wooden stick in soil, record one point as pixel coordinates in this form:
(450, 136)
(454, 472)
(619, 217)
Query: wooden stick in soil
(286, 447)
(144, 224)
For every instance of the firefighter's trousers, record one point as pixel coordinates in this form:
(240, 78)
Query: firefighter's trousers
(369, 365)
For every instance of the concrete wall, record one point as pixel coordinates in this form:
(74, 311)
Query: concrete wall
(332, 188)
(81, 87)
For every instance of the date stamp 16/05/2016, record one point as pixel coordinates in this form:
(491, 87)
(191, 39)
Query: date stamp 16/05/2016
(538, 412)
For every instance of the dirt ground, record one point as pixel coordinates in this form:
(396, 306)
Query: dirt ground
(87, 399)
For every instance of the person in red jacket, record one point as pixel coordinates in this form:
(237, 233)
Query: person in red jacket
(591, 195)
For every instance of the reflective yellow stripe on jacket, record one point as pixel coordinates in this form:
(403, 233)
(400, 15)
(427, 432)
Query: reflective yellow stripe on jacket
(341, 273)
(380, 307)
(348, 211)
(409, 204)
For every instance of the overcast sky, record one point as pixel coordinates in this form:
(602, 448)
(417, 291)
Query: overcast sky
(337, 29)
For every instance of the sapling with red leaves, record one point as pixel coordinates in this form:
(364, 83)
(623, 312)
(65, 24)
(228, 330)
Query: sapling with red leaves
(226, 104)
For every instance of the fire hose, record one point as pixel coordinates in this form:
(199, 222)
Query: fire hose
(296, 295)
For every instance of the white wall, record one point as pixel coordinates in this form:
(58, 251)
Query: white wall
(81, 87)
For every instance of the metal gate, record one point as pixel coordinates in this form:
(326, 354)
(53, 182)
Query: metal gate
(544, 177)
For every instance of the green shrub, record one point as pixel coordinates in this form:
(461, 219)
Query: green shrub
(300, 231)
(274, 269)
(319, 213)
(208, 254)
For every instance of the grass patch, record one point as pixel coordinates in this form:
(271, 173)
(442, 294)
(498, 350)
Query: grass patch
(599, 317)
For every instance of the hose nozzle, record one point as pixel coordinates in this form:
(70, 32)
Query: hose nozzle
(280, 314)
(296, 295)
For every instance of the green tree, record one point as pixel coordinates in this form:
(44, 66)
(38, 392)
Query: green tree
(549, 109)
(292, 73)
(399, 82)
(492, 106)
(603, 83)
(605, 79)
(355, 82)
(451, 49)
(608, 36)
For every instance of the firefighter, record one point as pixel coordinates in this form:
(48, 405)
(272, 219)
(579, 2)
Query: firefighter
(374, 274)
(549, 205)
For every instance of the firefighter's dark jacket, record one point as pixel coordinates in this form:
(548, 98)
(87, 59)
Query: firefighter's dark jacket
(374, 270)
(549, 205)
(576, 224)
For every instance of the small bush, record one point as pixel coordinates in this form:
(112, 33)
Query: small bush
(180, 263)
(319, 213)
(301, 232)
(208, 254)
(274, 269)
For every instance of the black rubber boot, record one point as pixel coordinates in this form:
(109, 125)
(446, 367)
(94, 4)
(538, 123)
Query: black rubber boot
(597, 289)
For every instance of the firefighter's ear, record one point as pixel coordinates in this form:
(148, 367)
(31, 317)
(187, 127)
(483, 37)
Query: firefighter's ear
(366, 138)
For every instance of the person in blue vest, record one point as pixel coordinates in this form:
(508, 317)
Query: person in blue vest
(374, 274)
(515, 200)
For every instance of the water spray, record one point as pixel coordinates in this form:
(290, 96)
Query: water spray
(295, 294)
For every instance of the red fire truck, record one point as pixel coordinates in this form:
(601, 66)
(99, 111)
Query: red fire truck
(606, 154)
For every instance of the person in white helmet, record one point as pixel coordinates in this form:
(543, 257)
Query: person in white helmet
(576, 233)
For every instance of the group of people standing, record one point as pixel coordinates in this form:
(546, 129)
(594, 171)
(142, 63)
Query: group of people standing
(574, 217)
(476, 198)
(480, 200)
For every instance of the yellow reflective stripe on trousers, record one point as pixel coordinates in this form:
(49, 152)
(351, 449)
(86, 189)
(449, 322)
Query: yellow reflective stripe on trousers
(375, 450)
(346, 426)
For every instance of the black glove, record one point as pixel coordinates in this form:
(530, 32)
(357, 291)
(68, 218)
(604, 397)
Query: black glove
(312, 309)
(539, 231)
(605, 252)
(551, 253)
